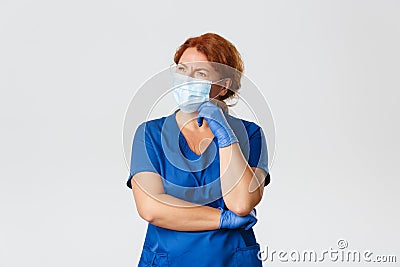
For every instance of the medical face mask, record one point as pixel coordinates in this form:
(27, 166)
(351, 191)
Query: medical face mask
(189, 92)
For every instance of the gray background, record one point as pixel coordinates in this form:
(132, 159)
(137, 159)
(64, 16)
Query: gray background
(330, 72)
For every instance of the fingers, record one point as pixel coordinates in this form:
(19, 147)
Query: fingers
(200, 117)
(251, 224)
(254, 212)
(200, 121)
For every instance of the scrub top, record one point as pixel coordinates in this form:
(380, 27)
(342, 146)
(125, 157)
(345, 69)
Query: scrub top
(159, 146)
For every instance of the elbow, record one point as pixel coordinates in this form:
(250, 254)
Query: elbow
(241, 207)
(146, 213)
(241, 210)
(245, 207)
(147, 216)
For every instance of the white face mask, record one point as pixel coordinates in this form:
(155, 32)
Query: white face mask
(190, 92)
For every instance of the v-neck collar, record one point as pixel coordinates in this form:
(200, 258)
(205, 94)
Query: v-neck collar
(184, 143)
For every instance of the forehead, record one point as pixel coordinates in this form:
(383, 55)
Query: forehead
(191, 55)
(193, 59)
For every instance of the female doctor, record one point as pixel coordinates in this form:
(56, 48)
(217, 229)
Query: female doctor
(197, 174)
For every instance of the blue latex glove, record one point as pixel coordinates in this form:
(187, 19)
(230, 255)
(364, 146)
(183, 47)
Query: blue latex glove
(230, 220)
(218, 124)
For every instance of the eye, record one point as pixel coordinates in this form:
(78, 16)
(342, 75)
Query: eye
(180, 69)
(201, 74)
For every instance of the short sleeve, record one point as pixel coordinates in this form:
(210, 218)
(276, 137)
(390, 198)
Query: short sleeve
(143, 157)
(258, 156)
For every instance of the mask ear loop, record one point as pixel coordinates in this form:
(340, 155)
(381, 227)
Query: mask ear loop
(220, 103)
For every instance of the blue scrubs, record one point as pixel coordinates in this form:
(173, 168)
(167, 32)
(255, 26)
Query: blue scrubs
(159, 146)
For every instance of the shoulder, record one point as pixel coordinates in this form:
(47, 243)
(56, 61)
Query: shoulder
(152, 125)
(151, 130)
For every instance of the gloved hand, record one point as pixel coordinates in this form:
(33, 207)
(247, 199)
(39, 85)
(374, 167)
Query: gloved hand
(218, 124)
(230, 220)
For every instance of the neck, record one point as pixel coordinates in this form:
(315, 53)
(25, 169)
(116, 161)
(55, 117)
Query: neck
(189, 121)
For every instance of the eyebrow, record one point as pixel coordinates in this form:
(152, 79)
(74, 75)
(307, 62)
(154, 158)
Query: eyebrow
(181, 64)
(202, 69)
(194, 69)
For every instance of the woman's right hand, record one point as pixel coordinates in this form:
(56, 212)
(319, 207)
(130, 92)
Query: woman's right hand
(230, 220)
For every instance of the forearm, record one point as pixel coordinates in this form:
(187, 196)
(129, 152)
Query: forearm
(241, 188)
(184, 216)
(169, 212)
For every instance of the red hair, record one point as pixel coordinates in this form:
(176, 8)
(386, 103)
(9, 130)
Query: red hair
(217, 49)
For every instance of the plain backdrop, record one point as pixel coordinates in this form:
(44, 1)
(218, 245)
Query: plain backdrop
(68, 70)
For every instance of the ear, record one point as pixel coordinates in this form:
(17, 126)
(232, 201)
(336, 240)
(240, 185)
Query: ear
(226, 84)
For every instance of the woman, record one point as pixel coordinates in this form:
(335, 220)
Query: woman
(197, 174)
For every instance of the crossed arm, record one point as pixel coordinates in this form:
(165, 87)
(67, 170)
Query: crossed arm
(163, 210)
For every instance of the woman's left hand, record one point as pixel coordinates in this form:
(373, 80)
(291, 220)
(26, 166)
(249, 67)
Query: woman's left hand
(218, 124)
